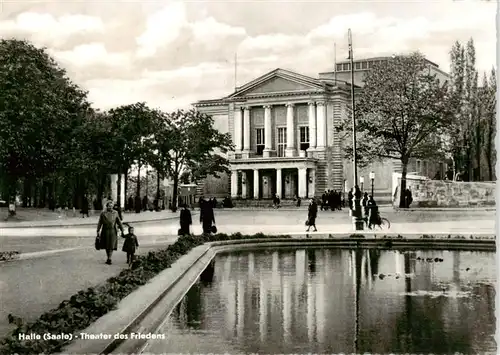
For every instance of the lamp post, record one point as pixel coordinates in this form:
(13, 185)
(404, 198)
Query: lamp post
(362, 182)
(356, 213)
(372, 178)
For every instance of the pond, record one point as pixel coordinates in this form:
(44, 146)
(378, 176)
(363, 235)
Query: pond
(337, 301)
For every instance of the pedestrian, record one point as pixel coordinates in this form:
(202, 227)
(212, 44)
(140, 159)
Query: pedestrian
(130, 245)
(364, 203)
(185, 220)
(350, 197)
(312, 213)
(107, 230)
(373, 213)
(299, 201)
(207, 217)
(408, 198)
(130, 204)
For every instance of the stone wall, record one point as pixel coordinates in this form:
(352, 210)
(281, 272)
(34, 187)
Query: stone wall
(445, 193)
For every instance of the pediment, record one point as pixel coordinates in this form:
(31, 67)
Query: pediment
(277, 84)
(278, 81)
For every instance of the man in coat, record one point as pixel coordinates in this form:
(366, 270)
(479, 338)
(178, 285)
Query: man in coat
(312, 213)
(185, 220)
(207, 217)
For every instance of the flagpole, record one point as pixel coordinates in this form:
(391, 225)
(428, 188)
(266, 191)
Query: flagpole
(356, 213)
(235, 71)
(335, 62)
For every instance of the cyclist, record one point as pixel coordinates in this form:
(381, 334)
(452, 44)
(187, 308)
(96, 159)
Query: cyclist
(373, 213)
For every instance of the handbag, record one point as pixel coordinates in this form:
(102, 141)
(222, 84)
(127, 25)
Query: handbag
(213, 229)
(97, 243)
(179, 232)
(307, 222)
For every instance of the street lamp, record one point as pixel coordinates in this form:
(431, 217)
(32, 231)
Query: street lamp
(357, 217)
(362, 182)
(372, 178)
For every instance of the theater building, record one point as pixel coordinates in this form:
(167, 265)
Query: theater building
(283, 125)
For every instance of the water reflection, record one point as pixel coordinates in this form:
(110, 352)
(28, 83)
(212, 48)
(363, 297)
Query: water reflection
(333, 300)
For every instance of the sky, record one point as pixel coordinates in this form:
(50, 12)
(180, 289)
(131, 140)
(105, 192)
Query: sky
(171, 54)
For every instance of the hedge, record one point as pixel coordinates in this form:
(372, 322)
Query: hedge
(85, 307)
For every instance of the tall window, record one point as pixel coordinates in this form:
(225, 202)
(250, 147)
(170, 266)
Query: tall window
(339, 67)
(260, 141)
(357, 66)
(426, 168)
(364, 65)
(304, 138)
(345, 66)
(419, 167)
(281, 141)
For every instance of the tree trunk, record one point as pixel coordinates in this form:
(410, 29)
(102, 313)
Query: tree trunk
(100, 191)
(118, 191)
(26, 191)
(175, 187)
(36, 200)
(402, 200)
(157, 190)
(126, 188)
(138, 192)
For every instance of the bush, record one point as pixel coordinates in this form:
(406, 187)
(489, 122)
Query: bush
(85, 307)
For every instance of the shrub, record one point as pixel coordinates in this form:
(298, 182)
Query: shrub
(85, 307)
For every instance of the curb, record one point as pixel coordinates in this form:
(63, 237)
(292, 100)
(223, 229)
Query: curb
(443, 209)
(86, 224)
(16, 256)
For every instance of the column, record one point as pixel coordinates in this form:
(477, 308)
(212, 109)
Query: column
(312, 125)
(303, 182)
(279, 182)
(256, 184)
(238, 129)
(246, 129)
(312, 184)
(268, 133)
(244, 184)
(321, 125)
(234, 184)
(290, 131)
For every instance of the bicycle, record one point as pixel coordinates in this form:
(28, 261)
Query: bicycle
(383, 225)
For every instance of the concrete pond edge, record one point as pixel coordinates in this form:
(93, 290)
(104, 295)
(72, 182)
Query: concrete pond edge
(145, 309)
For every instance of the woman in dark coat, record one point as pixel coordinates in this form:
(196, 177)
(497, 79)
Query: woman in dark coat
(107, 226)
(185, 220)
(207, 217)
(312, 213)
(85, 207)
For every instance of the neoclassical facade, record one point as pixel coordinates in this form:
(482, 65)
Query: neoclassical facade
(283, 128)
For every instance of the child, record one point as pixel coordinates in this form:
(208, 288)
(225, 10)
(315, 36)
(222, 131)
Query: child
(130, 244)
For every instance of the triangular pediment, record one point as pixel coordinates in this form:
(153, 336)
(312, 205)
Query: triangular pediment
(279, 81)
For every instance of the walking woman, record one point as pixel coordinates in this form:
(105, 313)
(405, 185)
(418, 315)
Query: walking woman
(312, 213)
(107, 226)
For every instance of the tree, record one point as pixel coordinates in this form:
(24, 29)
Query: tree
(400, 114)
(187, 141)
(489, 118)
(39, 108)
(464, 102)
(129, 125)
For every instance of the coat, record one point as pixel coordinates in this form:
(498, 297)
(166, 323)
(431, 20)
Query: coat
(207, 217)
(185, 220)
(130, 244)
(312, 213)
(107, 225)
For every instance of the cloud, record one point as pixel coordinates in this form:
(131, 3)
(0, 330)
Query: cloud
(45, 29)
(173, 54)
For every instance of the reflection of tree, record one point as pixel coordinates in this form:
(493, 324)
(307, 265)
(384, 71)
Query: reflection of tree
(311, 260)
(374, 261)
(193, 306)
(207, 276)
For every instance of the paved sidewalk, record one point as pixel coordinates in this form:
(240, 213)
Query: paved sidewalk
(92, 220)
(28, 288)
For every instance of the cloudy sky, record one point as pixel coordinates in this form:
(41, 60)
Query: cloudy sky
(171, 54)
